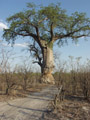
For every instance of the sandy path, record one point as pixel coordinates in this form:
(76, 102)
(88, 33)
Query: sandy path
(30, 108)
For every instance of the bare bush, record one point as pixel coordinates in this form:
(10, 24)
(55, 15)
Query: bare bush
(5, 70)
(74, 77)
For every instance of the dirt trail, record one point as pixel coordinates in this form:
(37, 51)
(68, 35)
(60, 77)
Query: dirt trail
(30, 108)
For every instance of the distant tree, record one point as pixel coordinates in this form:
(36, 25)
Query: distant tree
(46, 25)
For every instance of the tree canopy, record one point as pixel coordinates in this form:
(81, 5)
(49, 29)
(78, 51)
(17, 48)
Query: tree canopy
(47, 23)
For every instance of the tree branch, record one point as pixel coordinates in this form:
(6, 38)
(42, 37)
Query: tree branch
(71, 34)
(38, 63)
(42, 20)
(51, 31)
(27, 34)
(83, 35)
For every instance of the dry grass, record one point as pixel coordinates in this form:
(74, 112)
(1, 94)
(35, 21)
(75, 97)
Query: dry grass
(70, 109)
(17, 93)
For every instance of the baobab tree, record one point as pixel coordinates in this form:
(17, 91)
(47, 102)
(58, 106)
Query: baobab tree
(47, 25)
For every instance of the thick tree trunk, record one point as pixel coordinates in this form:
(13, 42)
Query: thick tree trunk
(48, 66)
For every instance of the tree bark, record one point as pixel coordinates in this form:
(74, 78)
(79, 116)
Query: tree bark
(48, 66)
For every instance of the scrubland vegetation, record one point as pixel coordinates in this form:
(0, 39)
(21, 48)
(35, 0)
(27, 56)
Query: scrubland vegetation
(72, 75)
(72, 101)
(72, 78)
(16, 80)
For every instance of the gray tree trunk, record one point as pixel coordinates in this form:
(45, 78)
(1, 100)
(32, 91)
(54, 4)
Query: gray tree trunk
(48, 66)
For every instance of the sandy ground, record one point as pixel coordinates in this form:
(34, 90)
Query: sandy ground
(30, 108)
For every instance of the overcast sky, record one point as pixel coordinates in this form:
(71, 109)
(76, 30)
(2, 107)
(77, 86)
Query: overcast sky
(9, 7)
